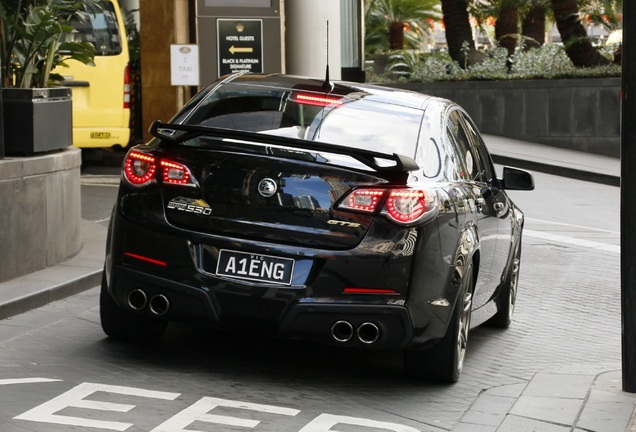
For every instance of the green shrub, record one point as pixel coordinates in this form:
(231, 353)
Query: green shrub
(547, 62)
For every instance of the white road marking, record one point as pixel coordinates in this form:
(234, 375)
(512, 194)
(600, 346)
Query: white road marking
(324, 422)
(199, 412)
(74, 398)
(571, 241)
(572, 225)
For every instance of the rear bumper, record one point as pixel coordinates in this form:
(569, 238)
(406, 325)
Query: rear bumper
(371, 325)
(307, 310)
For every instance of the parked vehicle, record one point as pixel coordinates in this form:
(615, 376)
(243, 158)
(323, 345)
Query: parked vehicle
(343, 213)
(101, 93)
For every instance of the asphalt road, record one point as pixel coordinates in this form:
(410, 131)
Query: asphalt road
(58, 372)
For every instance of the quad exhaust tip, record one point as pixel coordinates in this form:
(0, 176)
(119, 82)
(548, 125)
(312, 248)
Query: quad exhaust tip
(342, 331)
(159, 304)
(137, 299)
(368, 333)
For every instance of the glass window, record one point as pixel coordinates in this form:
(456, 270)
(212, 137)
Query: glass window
(333, 119)
(100, 28)
(485, 159)
(457, 134)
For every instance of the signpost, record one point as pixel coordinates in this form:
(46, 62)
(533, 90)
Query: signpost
(1, 124)
(628, 204)
(184, 63)
(240, 45)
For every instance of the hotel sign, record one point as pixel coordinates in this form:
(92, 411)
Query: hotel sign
(240, 45)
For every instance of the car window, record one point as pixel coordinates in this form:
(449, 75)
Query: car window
(489, 174)
(332, 119)
(472, 167)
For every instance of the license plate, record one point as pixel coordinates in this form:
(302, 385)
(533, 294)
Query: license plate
(100, 135)
(255, 267)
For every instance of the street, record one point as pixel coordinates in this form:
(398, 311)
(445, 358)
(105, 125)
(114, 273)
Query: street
(58, 371)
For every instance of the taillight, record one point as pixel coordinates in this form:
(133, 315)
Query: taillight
(408, 205)
(364, 199)
(139, 168)
(175, 173)
(127, 86)
(403, 206)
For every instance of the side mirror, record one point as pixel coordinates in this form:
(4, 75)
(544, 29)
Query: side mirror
(516, 179)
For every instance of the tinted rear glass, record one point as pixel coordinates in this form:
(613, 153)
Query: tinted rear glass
(355, 122)
(100, 28)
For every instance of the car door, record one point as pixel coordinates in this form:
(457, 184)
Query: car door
(483, 203)
(499, 199)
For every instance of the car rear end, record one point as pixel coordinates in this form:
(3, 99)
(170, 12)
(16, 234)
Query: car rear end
(269, 229)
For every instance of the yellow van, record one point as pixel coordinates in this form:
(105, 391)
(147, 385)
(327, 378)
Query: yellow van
(101, 93)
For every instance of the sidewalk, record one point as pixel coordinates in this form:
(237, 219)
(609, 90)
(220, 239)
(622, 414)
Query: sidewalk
(585, 399)
(553, 160)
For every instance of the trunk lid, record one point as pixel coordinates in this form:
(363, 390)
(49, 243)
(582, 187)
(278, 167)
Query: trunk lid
(270, 194)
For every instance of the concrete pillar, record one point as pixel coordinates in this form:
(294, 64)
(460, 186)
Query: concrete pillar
(306, 37)
(162, 23)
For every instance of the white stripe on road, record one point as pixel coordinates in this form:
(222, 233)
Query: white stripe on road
(26, 381)
(572, 225)
(571, 241)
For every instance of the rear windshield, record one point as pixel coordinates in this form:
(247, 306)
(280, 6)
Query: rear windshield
(100, 28)
(358, 122)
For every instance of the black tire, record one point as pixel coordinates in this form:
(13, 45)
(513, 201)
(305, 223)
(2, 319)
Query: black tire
(444, 361)
(119, 323)
(508, 294)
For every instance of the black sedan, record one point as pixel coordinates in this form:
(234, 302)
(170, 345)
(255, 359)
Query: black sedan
(339, 213)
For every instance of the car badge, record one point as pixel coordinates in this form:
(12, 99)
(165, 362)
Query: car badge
(190, 205)
(267, 187)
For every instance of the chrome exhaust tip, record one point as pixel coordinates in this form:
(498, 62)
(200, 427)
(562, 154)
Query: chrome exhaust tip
(368, 333)
(159, 304)
(137, 299)
(342, 331)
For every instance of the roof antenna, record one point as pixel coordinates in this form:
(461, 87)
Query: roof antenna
(327, 86)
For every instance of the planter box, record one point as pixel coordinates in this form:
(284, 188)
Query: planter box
(40, 200)
(37, 120)
(577, 114)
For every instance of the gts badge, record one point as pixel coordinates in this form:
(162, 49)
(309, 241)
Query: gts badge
(190, 205)
(343, 223)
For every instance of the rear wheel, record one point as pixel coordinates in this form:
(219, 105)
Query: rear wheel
(444, 361)
(508, 294)
(119, 323)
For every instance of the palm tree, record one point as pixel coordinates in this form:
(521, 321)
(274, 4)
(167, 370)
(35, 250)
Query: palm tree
(533, 24)
(577, 45)
(459, 35)
(396, 15)
(507, 14)
(507, 24)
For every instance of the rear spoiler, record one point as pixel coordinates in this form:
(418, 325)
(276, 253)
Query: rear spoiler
(403, 164)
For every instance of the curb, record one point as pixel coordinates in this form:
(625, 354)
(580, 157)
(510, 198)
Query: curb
(561, 171)
(47, 295)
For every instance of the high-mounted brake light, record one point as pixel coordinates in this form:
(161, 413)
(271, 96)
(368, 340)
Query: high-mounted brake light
(310, 99)
(139, 168)
(175, 173)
